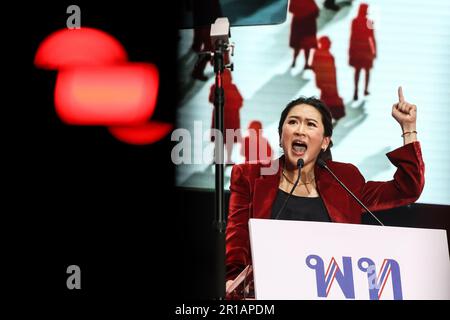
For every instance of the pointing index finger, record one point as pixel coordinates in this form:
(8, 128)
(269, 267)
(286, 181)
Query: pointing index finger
(401, 98)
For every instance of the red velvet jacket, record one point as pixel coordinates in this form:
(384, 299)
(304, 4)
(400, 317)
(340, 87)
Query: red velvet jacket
(253, 194)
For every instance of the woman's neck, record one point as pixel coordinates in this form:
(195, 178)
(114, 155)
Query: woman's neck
(307, 172)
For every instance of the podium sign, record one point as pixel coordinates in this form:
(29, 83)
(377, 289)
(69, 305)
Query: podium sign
(295, 260)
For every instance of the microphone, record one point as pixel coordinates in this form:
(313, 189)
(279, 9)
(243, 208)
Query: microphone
(300, 163)
(322, 164)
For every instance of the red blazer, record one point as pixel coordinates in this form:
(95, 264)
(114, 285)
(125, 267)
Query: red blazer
(253, 194)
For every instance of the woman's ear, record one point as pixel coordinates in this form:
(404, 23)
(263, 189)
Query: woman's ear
(326, 143)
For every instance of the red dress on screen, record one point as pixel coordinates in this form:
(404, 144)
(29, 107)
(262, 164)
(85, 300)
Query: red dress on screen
(255, 147)
(253, 195)
(303, 26)
(325, 71)
(362, 49)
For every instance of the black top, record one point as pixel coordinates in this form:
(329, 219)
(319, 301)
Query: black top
(300, 208)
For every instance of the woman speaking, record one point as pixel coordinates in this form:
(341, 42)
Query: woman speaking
(305, 130)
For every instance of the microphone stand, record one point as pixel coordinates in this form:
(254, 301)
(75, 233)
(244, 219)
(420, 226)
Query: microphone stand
(221, 46)
(219, 199)
(324, 165)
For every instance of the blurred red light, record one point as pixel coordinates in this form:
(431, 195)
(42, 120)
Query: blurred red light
(107, 95)
(139, 135)
(84, 46)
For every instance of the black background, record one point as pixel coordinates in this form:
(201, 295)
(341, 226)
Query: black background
(86, 198)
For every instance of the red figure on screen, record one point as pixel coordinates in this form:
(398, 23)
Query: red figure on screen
(233, 102)
(255, 147)
(303, 28)
(363, 49)
(325, 70)
(96, 85)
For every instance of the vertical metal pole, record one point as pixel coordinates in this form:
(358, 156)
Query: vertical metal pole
(219, 101)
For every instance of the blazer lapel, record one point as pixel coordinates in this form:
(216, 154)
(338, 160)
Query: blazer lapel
(265, 192)
(332, 194)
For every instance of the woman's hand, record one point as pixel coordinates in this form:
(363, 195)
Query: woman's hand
(405, 114)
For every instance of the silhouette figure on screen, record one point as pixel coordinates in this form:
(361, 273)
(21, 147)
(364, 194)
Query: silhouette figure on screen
(303, 28)
(232, 121)
(255, 147)
(325, 70)
(363, 49)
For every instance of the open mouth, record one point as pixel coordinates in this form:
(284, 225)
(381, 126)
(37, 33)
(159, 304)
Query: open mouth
(299, 147)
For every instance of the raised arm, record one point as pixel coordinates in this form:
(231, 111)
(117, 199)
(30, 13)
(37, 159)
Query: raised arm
(409, 179)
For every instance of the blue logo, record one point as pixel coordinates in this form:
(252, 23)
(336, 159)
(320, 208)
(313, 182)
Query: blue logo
(343, 276)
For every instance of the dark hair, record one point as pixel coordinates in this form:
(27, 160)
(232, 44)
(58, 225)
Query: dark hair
(326, 120)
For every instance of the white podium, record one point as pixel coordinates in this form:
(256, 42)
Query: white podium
(316, 260)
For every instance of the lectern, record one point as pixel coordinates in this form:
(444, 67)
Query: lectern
(295, 260)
